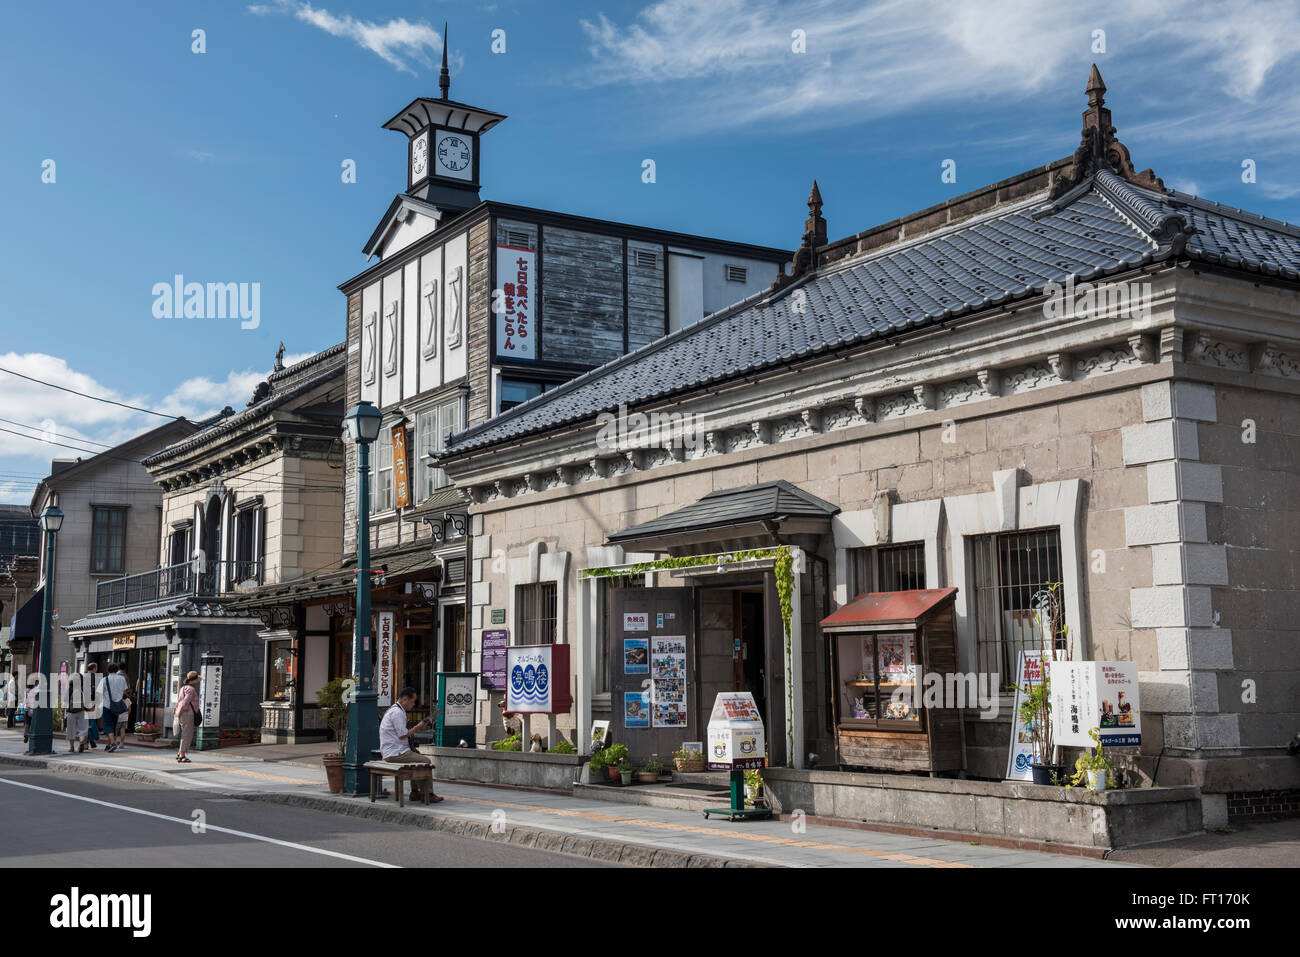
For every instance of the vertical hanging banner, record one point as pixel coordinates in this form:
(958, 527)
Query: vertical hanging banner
(384, 667)
(1029, 675)
(513, 304)
(401, 481)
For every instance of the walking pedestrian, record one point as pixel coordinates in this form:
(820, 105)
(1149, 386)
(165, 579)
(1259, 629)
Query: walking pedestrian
(74, 712)
(94, 707)
(186, 716)
(10, 696)
(123, 719)
(112, 692)
(29, 708)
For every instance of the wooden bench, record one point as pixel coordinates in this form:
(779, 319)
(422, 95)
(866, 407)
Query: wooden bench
(400, 773)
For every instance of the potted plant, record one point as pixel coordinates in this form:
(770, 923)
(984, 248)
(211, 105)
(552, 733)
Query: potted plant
(626, 771)
(688, 761)
(596, 766)
(510, 743)
(649, 772)
(754, 788)
(334, 699)
(146, 732)
(1092, 766)
(615, 755)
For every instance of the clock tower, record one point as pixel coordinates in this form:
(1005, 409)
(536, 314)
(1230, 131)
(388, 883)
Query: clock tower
(442, 159)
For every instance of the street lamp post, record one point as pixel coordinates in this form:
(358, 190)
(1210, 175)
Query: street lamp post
(41, 734)
(362, 424)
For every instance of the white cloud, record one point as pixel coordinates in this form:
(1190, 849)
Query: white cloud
(873, 59)
(397, 41)
(45, 424)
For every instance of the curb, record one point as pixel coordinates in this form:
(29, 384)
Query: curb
(542, 839)
(556, 842)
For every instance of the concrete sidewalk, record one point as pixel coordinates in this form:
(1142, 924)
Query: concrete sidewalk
(549, 821)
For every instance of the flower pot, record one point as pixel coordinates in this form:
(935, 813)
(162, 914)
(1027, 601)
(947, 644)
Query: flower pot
(614, 776)
(1096, 780)
(1043, 773)
(333, 771)
(146, 738)
(626, 776)
(647, 777)
(752, 793)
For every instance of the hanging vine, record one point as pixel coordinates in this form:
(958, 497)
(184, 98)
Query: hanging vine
(783, 571)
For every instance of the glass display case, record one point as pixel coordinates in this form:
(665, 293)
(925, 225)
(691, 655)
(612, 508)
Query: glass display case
(878, 681)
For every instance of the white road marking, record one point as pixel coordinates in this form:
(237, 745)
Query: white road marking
(207, 827)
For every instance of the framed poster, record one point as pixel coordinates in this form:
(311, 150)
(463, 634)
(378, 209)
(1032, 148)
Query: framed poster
(636, 656)
(599, 734)
(668, 681)
(636, 709)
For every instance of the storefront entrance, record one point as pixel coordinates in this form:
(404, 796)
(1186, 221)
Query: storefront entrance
(455, 656)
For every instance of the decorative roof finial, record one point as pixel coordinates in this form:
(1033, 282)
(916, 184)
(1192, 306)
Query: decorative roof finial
(444, 78)
(1099, 148)
(814, 228)
(279, 357)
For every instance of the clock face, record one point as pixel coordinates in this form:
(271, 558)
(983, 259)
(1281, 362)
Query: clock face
(455, 153)
(419, 156)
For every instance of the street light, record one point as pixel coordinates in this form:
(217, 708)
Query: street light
(362, 424)
(40, 735)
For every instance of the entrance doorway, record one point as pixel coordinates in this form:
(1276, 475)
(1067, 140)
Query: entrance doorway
(750, 641)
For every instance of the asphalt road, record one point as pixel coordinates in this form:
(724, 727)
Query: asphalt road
(99, 822)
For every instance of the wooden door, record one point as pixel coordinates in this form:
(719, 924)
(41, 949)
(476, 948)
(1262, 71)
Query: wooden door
(653, 713)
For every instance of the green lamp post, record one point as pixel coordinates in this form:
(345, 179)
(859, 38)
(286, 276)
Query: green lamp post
(41, 734)
(362, 424)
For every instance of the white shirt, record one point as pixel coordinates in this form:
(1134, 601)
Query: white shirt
(391, 729)
(115, 683)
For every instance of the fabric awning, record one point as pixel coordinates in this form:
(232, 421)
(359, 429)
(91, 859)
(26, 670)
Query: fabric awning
(888, 608)
(26, 623)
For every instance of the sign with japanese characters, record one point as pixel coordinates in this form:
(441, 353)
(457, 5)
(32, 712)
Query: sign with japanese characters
(736, 737)
(1021, 757)
(516, 323)
(1101, 695)
(384, 669)
(495, 642)
(210, 690)
(537, 679)
(401, 481)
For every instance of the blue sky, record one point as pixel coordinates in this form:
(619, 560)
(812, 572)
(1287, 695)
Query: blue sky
(225, 166)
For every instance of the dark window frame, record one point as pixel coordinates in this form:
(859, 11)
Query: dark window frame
(537, 613)
(97, 512)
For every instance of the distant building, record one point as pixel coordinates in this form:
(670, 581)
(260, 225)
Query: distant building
(20, 533)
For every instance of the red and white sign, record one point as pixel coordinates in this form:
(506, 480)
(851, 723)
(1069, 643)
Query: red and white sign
(384, 667)
(636, 621)
(516, 325)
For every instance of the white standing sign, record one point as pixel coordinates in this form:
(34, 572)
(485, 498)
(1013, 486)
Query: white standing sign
(1101, 695)
(528, 679)
(458, 701)
(210, 694)
(384, 667)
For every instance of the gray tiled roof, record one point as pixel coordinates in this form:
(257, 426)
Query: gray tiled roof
(734, 506)
(1105, 225)
(159, 611)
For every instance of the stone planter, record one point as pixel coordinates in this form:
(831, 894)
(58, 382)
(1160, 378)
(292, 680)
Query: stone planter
(146, 738)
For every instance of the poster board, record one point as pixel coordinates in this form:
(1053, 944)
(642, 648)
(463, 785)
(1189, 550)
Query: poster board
(1096, 694)
(538, 679)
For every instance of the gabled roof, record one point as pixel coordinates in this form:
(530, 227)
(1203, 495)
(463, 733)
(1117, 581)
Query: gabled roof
(734, 506)
(401, 205)
(280, 387)
(1103, 226)
(888, 607)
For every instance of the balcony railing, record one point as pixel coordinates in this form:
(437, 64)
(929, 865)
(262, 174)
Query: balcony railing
(207, 579)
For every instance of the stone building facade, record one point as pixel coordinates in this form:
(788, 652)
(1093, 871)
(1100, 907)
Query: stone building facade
(1072, 378)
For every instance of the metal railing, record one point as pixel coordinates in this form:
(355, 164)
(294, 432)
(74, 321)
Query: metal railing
(183, 580)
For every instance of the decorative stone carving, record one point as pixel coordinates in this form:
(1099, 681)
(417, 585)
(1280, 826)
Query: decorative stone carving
(959, 392)
(1104, 360)
(762, 431)
(1059, 363)
(812, 419)
(865, 408)
(1029, 378)
(1143, 348)
(429, 347)
(894, 406)
(924, 395)
(390, 339)
(455, 285)
(1171, 344)
(1212, 352)
(990, 381)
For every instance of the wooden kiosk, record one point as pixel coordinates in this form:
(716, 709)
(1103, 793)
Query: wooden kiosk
(881, 646)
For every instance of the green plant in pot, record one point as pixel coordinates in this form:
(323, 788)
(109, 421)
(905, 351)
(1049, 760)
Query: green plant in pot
(1036, 703)
(334, 700)
(1093, 766)
(625, 770)
(649, 772)
(754, 787)
(615, 755)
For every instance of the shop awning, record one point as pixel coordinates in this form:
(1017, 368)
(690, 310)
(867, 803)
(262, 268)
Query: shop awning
(26, 623)
(875, 609)
(764, 510)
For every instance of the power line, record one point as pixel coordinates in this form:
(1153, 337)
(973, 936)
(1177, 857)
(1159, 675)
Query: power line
(86, 395)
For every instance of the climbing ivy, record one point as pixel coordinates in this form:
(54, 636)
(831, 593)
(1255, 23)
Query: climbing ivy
(783, 571)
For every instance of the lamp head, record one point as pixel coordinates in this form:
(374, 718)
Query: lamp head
(362, 423)
(51, 518)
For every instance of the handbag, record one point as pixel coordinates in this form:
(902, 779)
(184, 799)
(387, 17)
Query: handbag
(114, 707)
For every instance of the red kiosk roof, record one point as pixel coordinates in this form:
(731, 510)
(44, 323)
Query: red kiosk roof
(885, 607)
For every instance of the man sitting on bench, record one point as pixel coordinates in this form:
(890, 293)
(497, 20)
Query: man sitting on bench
(393, 735)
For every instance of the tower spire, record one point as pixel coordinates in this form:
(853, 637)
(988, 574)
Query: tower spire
(444, 78)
